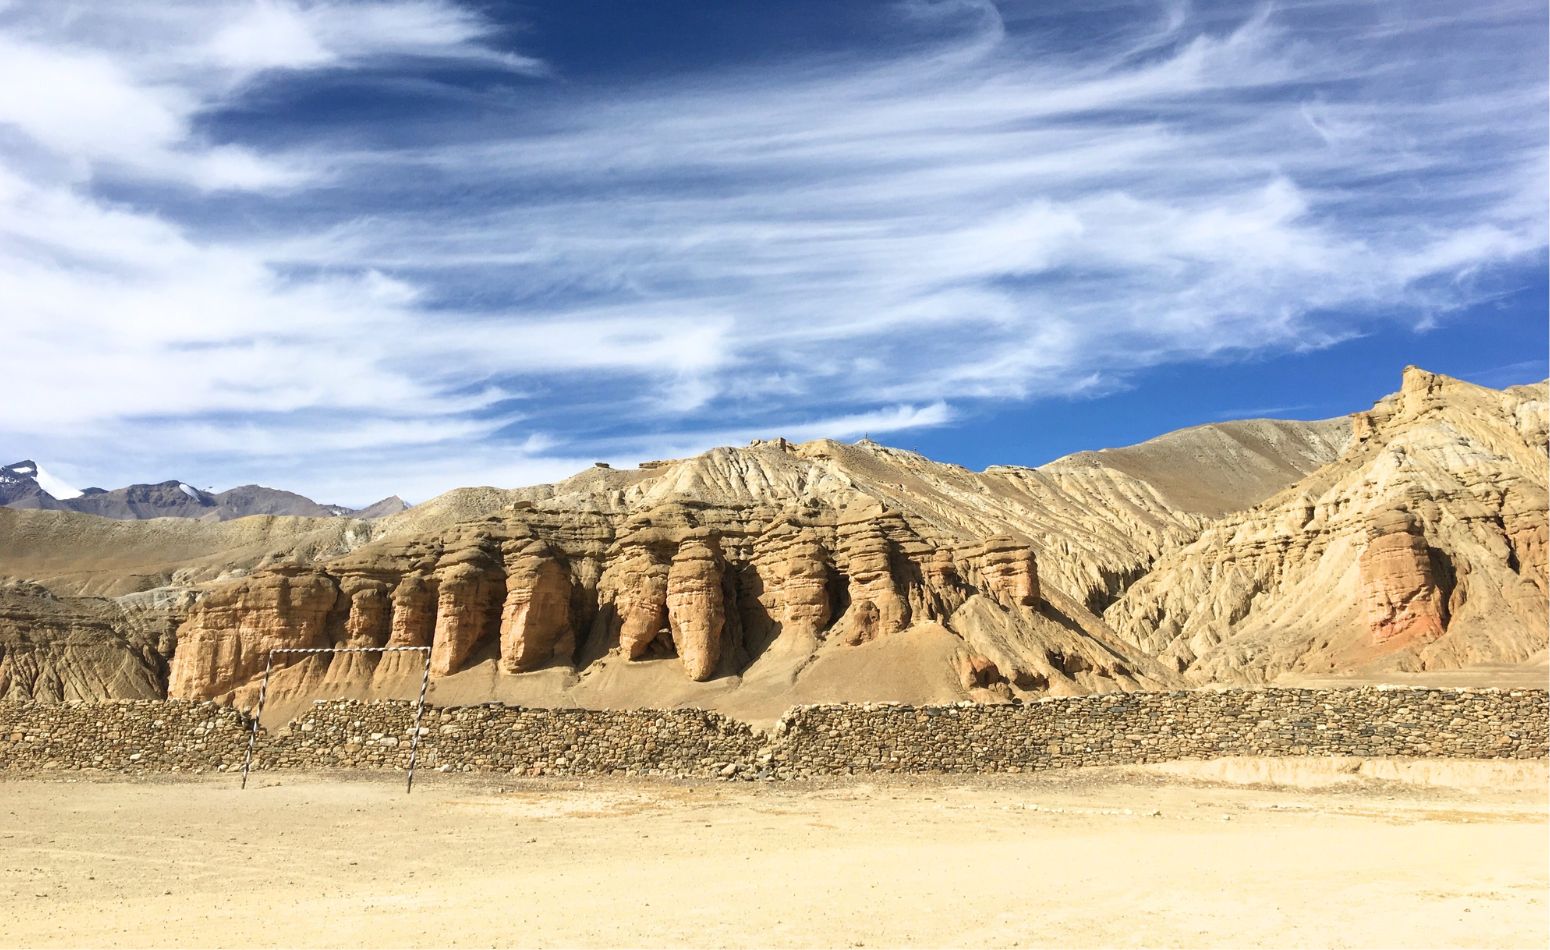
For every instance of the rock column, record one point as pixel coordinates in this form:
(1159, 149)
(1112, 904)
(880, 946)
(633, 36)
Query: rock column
(696, 611)
(462, 615)
(1400, 594)
(1010, 571)
(535, 616)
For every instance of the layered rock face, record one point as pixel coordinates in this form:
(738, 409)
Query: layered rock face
(535, 627)
(465, 596)
(876, 608)
(370, 610)
(1401, 594)
(796, 571)
(227, 639)
(696, 611)
(1528, 536)
(82, 648)
(414, 600)
(1418, 549)
(639, 578)
(1095, 527)
(1411, 537)
(723, 593)
(1011, 572)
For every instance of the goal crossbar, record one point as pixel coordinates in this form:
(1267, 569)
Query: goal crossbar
(419, 708)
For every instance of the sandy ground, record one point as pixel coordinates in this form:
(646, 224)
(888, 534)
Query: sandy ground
(1375, 854)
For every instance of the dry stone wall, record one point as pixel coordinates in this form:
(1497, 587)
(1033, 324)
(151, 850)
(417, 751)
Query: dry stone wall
(138, 735)
(1107, 729)
(496, 738)
(1128, 728)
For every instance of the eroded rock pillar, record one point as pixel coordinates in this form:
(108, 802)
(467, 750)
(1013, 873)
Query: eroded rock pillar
(414, 612)
(796, 586)
(639, 583)
(696, 610)
(462, 615)
(536, 614)
(877, 609)
(1401, 597)
(1010, 572)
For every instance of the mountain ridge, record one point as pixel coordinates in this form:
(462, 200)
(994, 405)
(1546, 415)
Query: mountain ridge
(746, 579)
(25, 485)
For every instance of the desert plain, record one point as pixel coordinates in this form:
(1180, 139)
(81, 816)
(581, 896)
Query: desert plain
(1226, 853)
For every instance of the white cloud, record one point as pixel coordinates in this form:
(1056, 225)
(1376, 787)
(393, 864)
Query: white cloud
(284, 34)
(268, 35)
(866, 240)
(120, 87)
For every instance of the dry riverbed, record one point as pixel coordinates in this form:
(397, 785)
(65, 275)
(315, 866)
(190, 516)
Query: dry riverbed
(1242, 853)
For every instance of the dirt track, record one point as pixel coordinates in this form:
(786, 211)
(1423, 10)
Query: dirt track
(1104, 858)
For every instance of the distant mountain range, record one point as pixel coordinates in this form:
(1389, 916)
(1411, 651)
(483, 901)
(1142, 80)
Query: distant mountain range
(26, 484)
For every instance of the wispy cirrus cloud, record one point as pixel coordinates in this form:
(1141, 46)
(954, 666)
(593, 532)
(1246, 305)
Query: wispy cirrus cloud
(118, 88)
(509, 268)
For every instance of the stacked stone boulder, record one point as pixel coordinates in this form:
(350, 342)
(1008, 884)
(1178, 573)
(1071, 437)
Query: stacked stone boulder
(810, 741)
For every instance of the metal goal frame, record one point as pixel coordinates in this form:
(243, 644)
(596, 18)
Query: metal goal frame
(419, 709)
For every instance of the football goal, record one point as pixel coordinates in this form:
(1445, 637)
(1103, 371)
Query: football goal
(419, 708)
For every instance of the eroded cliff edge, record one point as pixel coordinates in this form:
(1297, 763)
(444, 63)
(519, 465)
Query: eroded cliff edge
(1422, 547)
(1410, 537)
(761, 601)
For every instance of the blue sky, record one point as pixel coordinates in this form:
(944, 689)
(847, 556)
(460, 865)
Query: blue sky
(357, 248)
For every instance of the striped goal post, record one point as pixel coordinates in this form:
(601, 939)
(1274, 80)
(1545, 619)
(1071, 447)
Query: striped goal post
(419, 709)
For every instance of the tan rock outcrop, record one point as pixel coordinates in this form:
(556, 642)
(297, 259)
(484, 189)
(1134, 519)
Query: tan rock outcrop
(369, 620)
(636, 581)
(856, 571)
(1010, 571)
(796, 571)
(1096, 527)
(877, 608)
(696, 608)
(1400, 592)
(535, 617)
(1528, 538)
(466, 593)
(77, 649)
(978, 672)
(414, 612)
(227, 638)
(366, 599)
(1295, 585)
(804, 561)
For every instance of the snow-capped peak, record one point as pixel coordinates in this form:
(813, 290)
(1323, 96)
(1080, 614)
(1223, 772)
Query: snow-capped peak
(54, 486)
(49, 483)
(190, 492)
